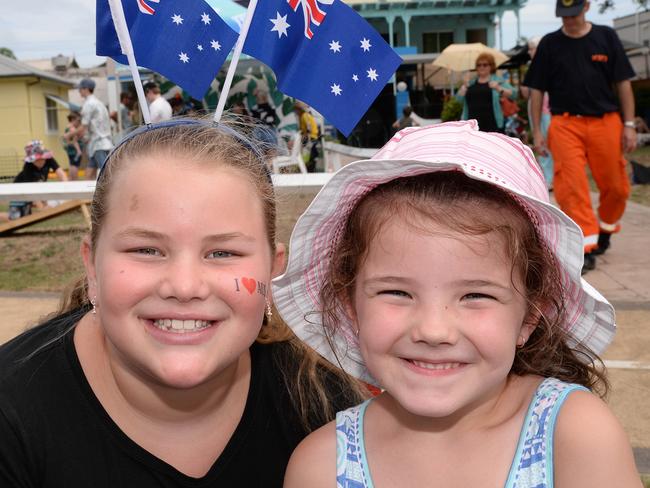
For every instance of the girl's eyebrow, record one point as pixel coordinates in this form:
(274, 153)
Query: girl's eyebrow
(151, 234)
(481, 283)
(387, 279)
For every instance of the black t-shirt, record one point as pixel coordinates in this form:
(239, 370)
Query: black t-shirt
(31, 174)
(579, 74)
(480, 106)
(55, 433)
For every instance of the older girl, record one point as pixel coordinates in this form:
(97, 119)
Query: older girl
(164, 367)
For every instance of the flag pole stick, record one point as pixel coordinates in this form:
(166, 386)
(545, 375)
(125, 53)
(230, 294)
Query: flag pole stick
(235, 59)
(119, 20)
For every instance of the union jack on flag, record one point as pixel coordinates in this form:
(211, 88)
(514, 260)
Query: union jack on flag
(323, 53)
(184, 40)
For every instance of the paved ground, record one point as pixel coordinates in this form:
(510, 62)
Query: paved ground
(622, 276)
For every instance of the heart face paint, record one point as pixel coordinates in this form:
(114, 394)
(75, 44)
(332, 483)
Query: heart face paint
(251, 285)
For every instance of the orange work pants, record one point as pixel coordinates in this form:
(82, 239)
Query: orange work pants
(577, 141)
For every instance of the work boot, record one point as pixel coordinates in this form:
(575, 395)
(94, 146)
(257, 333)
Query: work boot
(603, 243)
(589, 262)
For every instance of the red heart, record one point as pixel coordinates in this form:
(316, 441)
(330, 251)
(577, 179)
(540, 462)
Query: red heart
(250, 284)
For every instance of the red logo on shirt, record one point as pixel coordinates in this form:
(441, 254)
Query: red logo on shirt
(599, 58)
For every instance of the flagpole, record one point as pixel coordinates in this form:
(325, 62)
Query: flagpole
(252, 5)
(119, 20)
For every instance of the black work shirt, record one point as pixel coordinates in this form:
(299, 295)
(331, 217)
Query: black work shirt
(31, 174)
(55, 433)
(579, 74)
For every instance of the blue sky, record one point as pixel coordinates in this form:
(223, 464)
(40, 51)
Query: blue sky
(29, 28)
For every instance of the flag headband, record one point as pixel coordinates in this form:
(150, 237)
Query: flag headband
(243, 140)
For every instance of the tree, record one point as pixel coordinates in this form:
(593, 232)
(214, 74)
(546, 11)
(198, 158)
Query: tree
(604, 5)
(5, 51)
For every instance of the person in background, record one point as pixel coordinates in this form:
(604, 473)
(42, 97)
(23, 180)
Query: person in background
(96, 128)
(586, 73)
(159, 108)
(310, 133)
(126, 112)
(481, 96)
(405, 120)
(545, 160)
(38, 164)
(266, 131)
(73, 143)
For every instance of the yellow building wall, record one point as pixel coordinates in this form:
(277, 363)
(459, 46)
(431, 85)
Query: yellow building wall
(23, 117)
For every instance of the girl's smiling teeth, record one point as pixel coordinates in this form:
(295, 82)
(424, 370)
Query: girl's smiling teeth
(434, 366)
(181, 326)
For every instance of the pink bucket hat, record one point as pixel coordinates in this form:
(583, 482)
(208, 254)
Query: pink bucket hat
(34, 150)
(454, 146)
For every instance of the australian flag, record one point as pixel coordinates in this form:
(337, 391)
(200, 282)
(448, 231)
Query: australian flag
(183, 40)
(323, 53)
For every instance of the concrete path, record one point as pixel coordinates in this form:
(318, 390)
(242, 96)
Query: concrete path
(622, 275)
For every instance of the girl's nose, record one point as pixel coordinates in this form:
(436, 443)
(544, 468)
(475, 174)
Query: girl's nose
(185, 281)
(434, 325)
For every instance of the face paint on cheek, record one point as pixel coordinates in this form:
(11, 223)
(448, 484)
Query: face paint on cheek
(251, 285)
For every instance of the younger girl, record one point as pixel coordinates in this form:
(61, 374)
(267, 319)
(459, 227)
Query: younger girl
(159, 371)
(439, 271)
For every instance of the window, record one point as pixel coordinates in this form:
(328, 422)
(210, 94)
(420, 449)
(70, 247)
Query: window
(435, 42)
(477, 35)
(51, 116)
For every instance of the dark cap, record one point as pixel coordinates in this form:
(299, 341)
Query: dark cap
(86, 83)
(568, 8)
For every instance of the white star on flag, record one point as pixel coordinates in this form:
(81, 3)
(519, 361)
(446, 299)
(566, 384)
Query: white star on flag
(177, 19)
(184, 57)
(336, 89)
(280, 24)
(215, 45)
(335, 47)
(205, 18)
(355, 77)
(365, 44)
(372, 74)
(199, 47)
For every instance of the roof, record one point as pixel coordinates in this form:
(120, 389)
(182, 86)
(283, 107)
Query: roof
(10, 68)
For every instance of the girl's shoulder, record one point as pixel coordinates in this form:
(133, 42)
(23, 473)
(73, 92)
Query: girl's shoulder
(590, 446)
(313, 463)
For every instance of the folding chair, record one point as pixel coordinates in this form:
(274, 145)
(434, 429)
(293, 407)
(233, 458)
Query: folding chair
(293, 159)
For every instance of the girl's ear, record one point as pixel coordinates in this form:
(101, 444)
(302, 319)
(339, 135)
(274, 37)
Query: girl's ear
(530, 322)
(89, 265)
(279, 260)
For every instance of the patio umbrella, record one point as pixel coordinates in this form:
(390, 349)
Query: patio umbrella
(462, 57)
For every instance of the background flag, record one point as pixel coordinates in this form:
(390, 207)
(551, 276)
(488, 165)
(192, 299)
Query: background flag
(183, 40)
(324, 54)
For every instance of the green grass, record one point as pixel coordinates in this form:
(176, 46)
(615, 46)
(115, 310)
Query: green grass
(42, 257)
(645, 479)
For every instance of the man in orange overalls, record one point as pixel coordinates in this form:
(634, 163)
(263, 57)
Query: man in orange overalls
(583, 67)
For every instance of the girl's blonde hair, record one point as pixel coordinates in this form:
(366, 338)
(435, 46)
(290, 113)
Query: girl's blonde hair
(308, 377)
(476, 208)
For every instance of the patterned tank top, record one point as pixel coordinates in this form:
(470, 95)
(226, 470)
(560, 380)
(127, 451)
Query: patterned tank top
(532, 466)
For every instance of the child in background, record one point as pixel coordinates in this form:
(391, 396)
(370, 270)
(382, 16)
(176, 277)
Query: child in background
(440, 272)
(72, 143)
(164, 366)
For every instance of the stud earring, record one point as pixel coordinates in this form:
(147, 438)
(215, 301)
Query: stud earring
(269, 312)
(93, 302)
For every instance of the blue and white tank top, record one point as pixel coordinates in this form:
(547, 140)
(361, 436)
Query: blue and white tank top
(532, 466)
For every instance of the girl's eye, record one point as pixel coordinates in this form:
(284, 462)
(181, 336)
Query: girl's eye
(220, 254)
(396, 293)
(148, 251)
(478, 296)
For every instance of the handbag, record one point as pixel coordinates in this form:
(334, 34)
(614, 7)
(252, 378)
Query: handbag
(508, 107)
